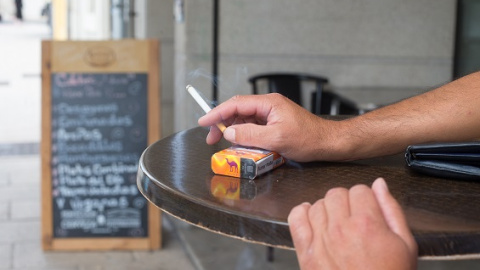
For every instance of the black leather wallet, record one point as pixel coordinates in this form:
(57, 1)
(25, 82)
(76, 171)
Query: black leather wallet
(449, 160)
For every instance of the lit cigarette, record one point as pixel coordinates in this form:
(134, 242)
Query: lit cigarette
(194, 93)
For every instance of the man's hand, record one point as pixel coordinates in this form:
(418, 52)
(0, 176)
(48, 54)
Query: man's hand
(275, 123)
(360, 228)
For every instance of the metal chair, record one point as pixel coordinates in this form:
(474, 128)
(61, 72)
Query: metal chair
(290, 85)
(332, 103)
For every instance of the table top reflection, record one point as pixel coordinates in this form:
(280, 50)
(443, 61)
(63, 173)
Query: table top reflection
(175, 175)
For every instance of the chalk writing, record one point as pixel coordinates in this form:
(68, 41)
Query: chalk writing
(98, 134)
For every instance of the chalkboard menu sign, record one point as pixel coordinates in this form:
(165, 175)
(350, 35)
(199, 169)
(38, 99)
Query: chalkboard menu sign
(97, 120)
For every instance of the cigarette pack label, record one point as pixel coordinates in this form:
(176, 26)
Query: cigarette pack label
(243, 162)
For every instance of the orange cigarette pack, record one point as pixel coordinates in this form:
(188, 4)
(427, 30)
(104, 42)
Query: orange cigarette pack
(245, 162)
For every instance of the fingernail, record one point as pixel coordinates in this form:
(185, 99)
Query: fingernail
(229, 134)
(382, 184)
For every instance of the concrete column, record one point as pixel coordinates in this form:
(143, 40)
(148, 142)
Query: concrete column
(158, 23)
(193, 65)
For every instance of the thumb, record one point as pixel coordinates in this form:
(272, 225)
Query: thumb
(393, 213)
(249, 135)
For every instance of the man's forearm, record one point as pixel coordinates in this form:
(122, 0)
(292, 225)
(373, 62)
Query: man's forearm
(448, 113)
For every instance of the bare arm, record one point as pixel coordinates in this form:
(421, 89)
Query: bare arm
(448, 113)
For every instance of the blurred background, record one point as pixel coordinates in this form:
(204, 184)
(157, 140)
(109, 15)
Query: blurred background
(372, 52)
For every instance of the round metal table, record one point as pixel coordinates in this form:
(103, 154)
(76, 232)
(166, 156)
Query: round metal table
(174, 174)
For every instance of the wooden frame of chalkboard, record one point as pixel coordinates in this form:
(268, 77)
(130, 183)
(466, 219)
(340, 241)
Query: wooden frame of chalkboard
(100, 110)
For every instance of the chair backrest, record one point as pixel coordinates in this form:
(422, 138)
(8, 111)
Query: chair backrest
(334, 104)
(290, 85)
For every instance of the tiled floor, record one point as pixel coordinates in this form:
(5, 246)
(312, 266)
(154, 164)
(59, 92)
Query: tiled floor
(184, 246)
(213, 251)
(20, 230)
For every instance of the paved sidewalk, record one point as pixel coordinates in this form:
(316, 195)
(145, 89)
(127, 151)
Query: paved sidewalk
(184, 246)
(20, 235)
(20, 81)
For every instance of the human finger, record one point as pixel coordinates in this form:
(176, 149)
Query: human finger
(337, 205)
(252, 105)
(393, 213)
(318, 218)
(214, 135)
(300, 228)
(252, 135)
(363, 202)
